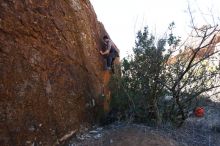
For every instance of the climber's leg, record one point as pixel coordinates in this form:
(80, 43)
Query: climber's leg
(109, 62)
(112, 65)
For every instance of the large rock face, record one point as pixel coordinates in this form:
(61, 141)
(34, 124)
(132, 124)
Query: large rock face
(51, 71)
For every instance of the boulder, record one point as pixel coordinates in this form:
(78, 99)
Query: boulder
(51, 71)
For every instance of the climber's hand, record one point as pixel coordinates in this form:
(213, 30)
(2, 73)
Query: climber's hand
(101, 52)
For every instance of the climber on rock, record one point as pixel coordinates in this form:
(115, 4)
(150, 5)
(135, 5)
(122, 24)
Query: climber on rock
(110, 53)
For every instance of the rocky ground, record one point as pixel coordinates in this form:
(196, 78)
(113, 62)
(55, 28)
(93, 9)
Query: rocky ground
(204, 131)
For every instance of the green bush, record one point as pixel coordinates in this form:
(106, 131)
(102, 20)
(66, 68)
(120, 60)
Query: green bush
(139, 91)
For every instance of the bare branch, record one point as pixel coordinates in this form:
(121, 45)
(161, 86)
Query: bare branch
(192, 19)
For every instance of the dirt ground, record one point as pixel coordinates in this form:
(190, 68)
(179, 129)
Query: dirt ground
(204, 131)
(124, 135)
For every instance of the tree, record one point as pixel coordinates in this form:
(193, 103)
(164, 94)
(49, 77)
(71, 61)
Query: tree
(188, 74)
(141, 73)
(152, 73)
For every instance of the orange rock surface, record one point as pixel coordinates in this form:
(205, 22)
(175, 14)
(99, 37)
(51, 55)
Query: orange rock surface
(51, 71)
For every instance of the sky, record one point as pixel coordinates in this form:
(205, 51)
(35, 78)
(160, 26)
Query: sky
(124, 18)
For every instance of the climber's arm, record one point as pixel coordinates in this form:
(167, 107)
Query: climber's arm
(107, 50)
